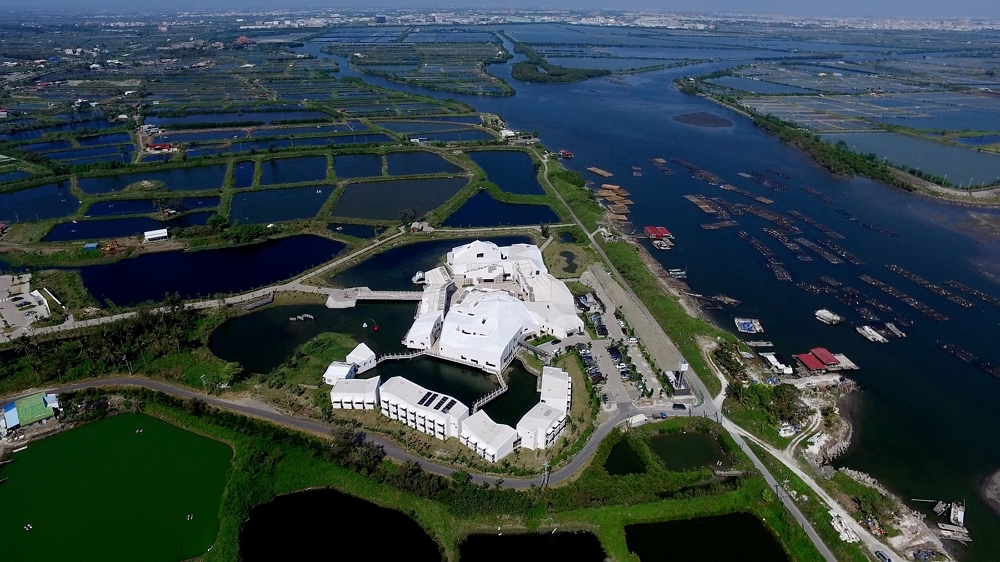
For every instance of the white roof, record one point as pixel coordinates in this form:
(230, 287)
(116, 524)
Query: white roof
(354, 387)
(485, 319)
(404, 390)
(360, 355)
(541, 416)
(556, 388)
(336, 371)
(490, 434)
(159, 233)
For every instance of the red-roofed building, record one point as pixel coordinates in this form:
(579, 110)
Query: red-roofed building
(811, 362)
(825, 356)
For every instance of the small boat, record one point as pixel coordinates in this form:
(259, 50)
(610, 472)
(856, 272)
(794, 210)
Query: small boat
(827, 317)
(870, 334)
(749, 325)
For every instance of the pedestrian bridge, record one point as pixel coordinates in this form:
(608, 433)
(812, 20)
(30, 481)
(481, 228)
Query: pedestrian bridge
(348, 298)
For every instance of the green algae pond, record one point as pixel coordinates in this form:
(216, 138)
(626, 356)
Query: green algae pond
(104, 491)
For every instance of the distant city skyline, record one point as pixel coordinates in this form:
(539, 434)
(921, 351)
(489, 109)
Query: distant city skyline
(845, 8)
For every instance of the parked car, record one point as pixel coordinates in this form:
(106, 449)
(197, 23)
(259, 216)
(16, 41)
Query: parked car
(556, 342)
(882, 556)
(679, 406)
(633, 340)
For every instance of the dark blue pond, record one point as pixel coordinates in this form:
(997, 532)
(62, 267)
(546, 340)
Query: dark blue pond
(13, 176)
(305, 130)
(108, 152)
(355, 230)
(387, 199)
(264, 116)
(483, 210)
(43, 146)
(512, 171)
(279, 204)
(143, 206)
(357, 165)
(113, 138)
(407, 163)
(293, 170)
(457, 136)
(38, 203)
(979, 141)
(243, 174)
(37, 133)
(177, 179)
(115, 228)
(201, 137)
(208, 272)
(361, 138)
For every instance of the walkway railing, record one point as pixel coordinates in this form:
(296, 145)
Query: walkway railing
(399, 356)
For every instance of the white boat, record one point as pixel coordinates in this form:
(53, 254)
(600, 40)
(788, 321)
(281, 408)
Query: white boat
(827, 317)
(749, 326)
(870, 334)
(957, 514)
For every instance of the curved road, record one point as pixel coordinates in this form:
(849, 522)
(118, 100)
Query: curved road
(391, 449)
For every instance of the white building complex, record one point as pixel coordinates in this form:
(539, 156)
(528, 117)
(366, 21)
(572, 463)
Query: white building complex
(508, 295)
(433, 413)
(475, 310)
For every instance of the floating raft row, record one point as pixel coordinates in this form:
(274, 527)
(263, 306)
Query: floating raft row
(600, 172)
(619, 209)
(616, 217)
(974, 292)
(718, 225)
(820, 195)
(746, 193)
(661, 165)
(936, 289)
(606, 193)
(821, 227)
(702, 204)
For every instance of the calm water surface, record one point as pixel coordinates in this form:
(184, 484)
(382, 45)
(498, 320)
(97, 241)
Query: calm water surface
(686, 451)
(512, 171)
(38, 203)
(123, 496)
(407, 163)
(183, 179)
(279, 204)
(623, 460)
(483, 210)
(357, 165)
(743, 537)
(114, 228)
(578, 547)
(293, 170)
(385, 200)
(266, 534)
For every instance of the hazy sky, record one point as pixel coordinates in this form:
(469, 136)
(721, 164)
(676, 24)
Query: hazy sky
(880, 8)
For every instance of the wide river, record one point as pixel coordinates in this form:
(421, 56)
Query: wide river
(926, 421)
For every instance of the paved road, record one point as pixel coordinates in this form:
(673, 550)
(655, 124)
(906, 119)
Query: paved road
(645, 325)
(391, 449)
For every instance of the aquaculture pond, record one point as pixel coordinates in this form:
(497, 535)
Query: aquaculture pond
(129, 487)
(206, 272)
(542, 547)
(513, 171)
(458, 136)
(979, 141)
(114, 228)
(385, 200)
(418, 162)
(355, 230)
(143, 206)
(687, 451)
(13, 176)
(46, 145)
(201, 137)
(263, 116)
(420, 127)
(38, 203)
(113, 138)
(268, 531)
(624, 460)
(357, 165)
(279, 204)
(176, 179)
(392, 270)
(483, 210)
(304, 130)
(960, 165)
(20, 136)
(293, 170)
(745, 538)
(243, 174)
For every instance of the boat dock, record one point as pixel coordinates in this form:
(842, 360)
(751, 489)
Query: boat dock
(701, 203)
(600, 172)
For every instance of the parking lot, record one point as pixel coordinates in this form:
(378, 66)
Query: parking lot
(18, 307)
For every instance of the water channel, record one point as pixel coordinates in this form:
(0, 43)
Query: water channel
(924, 421)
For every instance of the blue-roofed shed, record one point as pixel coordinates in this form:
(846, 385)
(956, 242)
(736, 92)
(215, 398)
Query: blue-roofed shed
(10, 415)
(91, 246)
